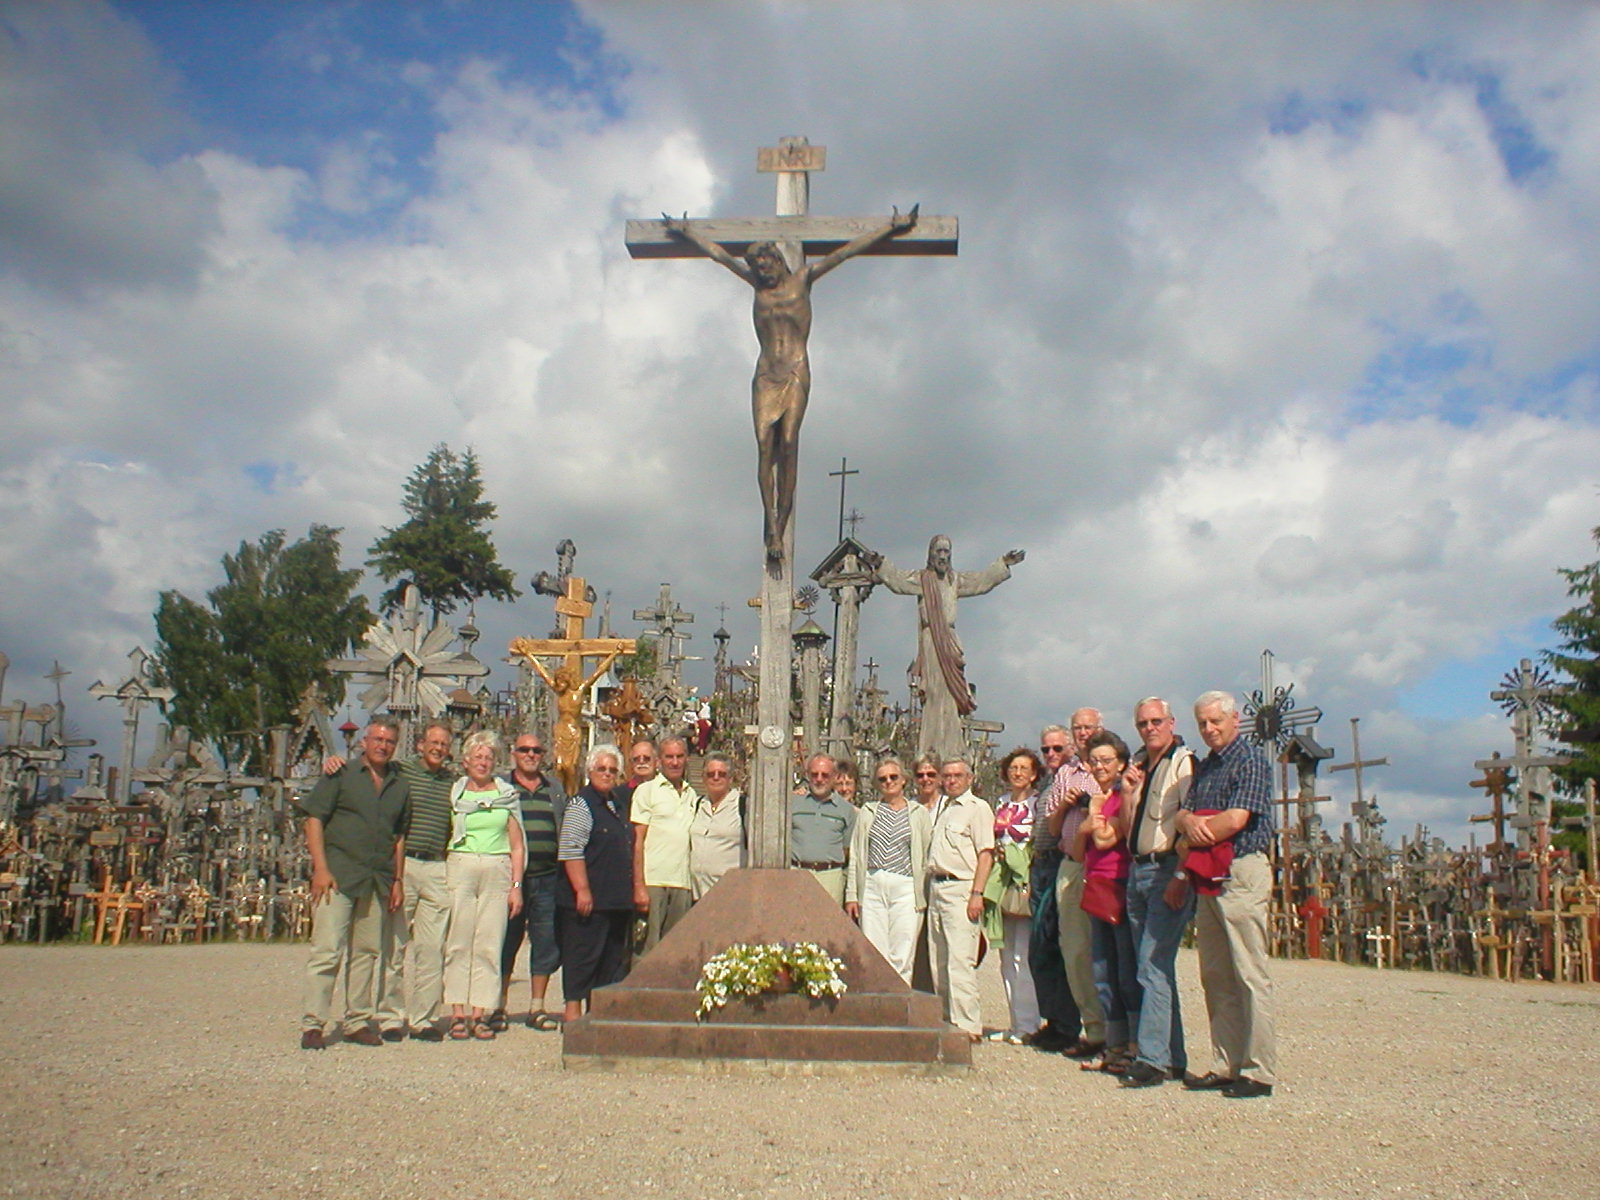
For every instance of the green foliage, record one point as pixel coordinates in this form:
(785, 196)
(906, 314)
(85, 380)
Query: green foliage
(443, 548)
(241, 661)
(1578, 708)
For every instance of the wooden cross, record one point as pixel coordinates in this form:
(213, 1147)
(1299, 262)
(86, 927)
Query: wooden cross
(1496, 778)
(573, 608)
(667, 616)
(133, 693)
(1356, 762)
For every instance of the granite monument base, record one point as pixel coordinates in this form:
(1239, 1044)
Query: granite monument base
(880, 1025)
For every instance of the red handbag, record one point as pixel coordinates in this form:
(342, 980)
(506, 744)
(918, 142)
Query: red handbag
(1105, 899)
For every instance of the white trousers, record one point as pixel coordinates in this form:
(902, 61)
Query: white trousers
(890, 919)
(480, 887)
(953, 946)
(1018, 979)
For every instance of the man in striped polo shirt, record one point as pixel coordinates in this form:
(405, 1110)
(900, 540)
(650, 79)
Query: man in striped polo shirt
(413, 991)
(543, 804)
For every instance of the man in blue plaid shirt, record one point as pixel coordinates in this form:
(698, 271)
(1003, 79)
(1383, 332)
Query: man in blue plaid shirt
(1233, 784)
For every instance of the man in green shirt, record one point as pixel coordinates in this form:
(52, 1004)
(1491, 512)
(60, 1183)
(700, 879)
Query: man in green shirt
(355, 834)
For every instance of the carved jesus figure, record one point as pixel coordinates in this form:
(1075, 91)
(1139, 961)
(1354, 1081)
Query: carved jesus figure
(782, 383)
(941, 663)
(570, 693)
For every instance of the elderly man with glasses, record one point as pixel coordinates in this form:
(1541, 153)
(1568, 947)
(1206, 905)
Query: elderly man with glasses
(1067, 805)
(820, 826)
(543, 804)
(1056, 1006)
(717, 842)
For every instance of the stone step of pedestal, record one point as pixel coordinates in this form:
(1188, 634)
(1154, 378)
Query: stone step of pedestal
(879, 1025)
(592, 1036)
(624, 1003)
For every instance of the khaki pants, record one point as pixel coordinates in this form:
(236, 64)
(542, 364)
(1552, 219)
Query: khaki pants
(412, 989)
(342, 927)
(953, 946)
(833, 883)
(480, 888)
(1077, 948)
(1231, 935)
(668, 906)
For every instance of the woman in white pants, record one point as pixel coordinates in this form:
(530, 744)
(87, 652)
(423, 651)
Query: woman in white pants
(884, 880)
(1013, 829)
(484, 873)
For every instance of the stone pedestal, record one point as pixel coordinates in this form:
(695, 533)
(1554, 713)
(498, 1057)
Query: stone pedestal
(879, 1024)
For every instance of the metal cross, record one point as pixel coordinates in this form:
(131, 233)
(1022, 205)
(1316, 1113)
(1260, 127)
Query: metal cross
(843, 473)
(1271, 713)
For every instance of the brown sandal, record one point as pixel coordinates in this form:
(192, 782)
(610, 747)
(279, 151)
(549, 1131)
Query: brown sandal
(483, 1031)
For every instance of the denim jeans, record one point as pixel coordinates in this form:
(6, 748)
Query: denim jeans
(1116, 979)
(1044, 949)
(536, 922)
(1157, 932)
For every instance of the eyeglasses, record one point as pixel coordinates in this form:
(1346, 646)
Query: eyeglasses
(716, 774)
(927, 774)
(1149, 721)
(529, 749)
(603, 771)
(1052, 749)
(889, 778)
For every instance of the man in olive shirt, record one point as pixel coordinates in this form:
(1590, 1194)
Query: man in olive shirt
(820, 825)
(422, 923)
(355, 834)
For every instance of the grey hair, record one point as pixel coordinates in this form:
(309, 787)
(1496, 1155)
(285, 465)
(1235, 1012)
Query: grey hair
(832, 765)
(1166, 709)
(604, 750)
(661, 746)
(1049, 729)
(1223, 700)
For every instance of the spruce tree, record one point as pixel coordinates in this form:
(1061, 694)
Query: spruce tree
(443, 548)
(1577, 720)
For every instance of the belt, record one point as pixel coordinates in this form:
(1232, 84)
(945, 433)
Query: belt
(424, 856)
(819, 866)
(937, 878)
(1159, 856)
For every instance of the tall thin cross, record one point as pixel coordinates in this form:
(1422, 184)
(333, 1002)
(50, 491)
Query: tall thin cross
(133, 693)
(853, 518)
(666, 616)
(1526, 695)
(782, 319)
(1356, 762)
(843, 474)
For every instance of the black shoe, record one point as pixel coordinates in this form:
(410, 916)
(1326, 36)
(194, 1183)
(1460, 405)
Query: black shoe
(365, 1036)
(1209, 1082)
(1246, 1089)
(312, 1039)
(1143, 1075)
(1084, 1049)
(428, 1033)
(498, 1021)
(394, 1035)
(1049, 1040)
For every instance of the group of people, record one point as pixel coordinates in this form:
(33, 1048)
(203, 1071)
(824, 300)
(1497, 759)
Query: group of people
(1084, 876)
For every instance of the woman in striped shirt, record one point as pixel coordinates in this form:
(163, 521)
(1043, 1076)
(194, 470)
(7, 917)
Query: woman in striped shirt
(884, 889)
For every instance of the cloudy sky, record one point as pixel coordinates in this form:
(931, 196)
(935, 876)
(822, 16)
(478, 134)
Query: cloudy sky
(1273, 326)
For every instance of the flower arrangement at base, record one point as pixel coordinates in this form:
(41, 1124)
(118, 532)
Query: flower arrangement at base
(749, 970)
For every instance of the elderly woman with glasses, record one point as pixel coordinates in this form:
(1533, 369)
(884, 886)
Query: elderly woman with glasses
(594, 892)
(717, 841)
(1009, 891)
(1101, 843)
(885, 888)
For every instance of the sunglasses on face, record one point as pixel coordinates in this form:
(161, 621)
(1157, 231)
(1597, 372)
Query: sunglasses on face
(530, 749)
(888, 778)
(716, 774)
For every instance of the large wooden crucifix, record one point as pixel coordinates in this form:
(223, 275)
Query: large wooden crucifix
(770, 254)
(568, 683)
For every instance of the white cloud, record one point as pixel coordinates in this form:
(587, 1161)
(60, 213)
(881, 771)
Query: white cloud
(1325, 388)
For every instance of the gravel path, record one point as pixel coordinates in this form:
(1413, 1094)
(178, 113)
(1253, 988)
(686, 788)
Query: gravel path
(175, 1071)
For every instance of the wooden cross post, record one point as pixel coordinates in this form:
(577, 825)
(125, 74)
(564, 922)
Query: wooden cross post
(797, 235)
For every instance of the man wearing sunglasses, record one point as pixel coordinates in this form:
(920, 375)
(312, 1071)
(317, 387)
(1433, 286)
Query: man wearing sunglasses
(1060, 1012)
(1067, 804)
(543, 804)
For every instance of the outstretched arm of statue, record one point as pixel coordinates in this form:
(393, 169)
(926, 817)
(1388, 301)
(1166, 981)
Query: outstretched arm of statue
(600, 670)
(680, 227)
(897, 224)
(539, 670)
(903, 583)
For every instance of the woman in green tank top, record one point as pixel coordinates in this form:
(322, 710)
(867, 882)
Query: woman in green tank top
(484, 869)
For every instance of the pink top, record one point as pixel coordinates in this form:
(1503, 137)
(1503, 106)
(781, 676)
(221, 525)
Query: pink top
(1114, 861)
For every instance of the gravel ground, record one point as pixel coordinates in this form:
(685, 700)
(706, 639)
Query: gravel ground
(175, 1071)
